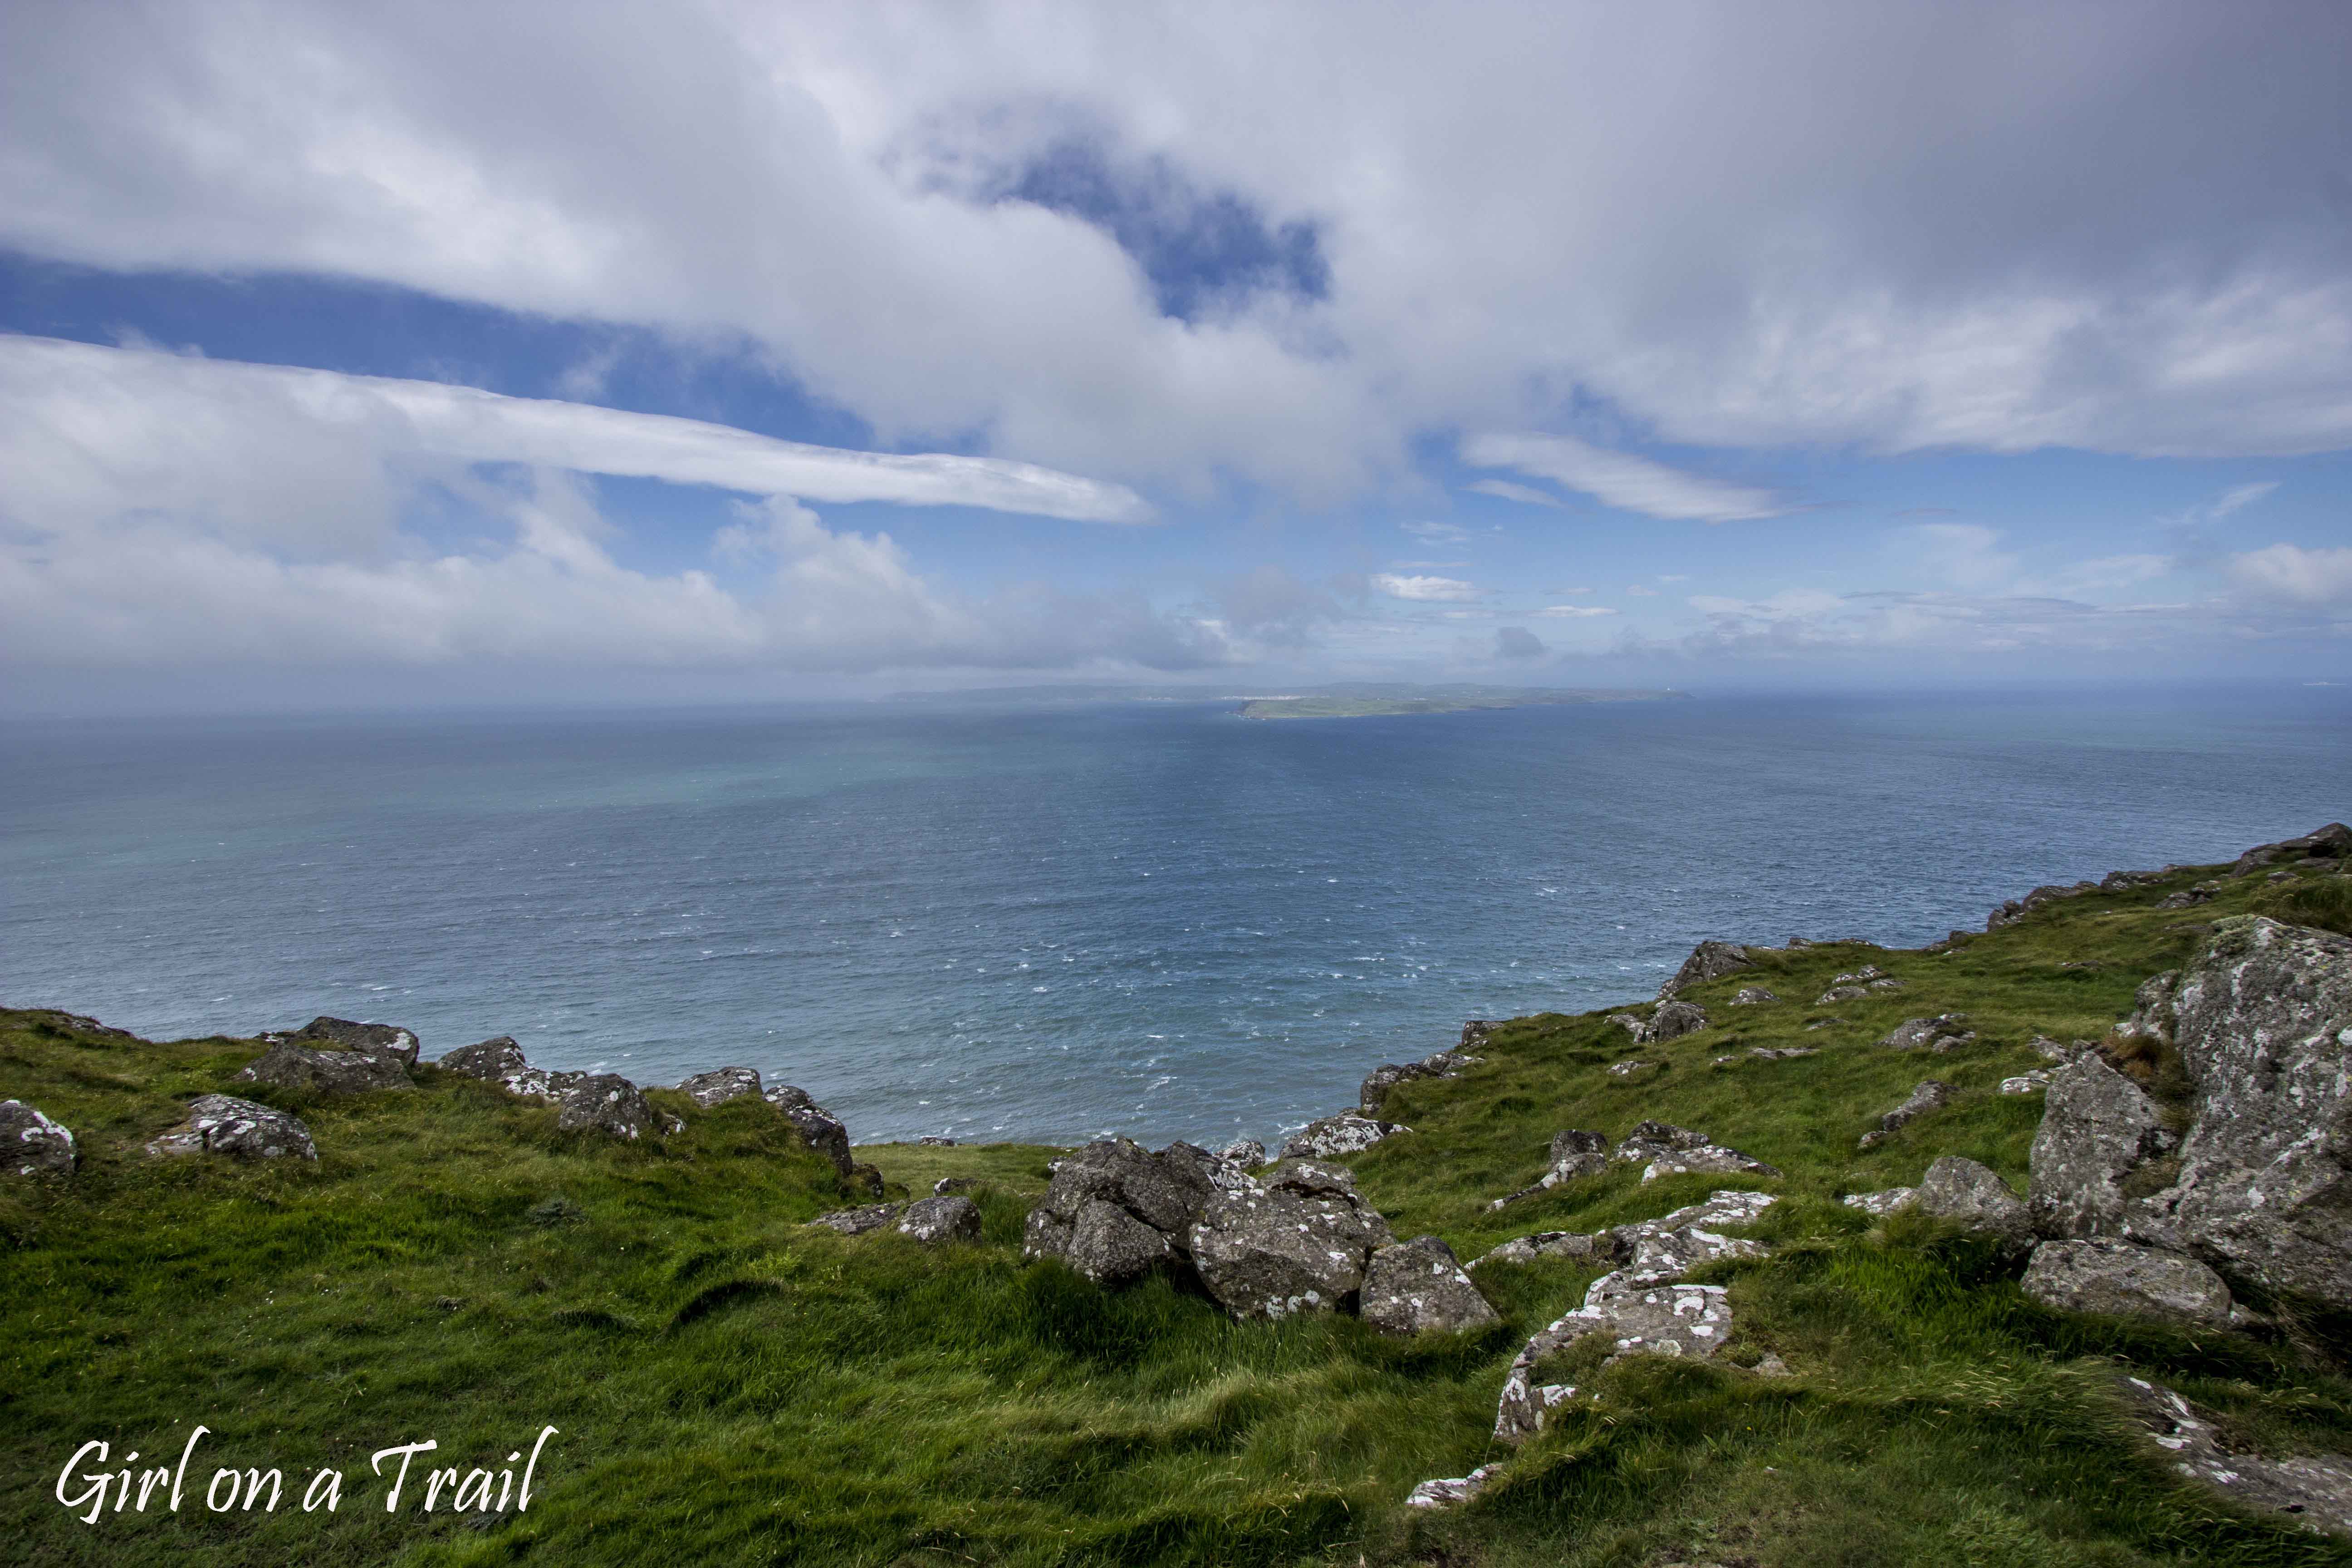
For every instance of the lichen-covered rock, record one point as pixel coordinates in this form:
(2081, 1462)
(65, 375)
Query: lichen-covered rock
(1215, 1170)
(33, 1145)
(2119, 1280)
(1627, 1068)
(1882, 1204)
(937, 1221)
(604, 1102)
(1297, 1243)
(819, 1131)
(1673, 1020)
(1374, 1091)
(1648, 1140)
(380, 1039)
(1939, 1034)
(333, 1071)
(2032, 1083)
(493, 1060)
(1960, 1189)
(721, 1085)
(1837, 993)
(1416, 1287)
(947, 1184)
(1752, 996)
(1115, 1210)
(2314, 1490)
(1708, 961)
(859, 1220)
(1633, 1024)
(224, 1124)
(862, 1178)
(1665, 1150)
(1451, 1491)
(1595, 1245)
(1931, 1095)
(1244, 1151)
(1655, 1251)
(2151, 1014)
(1335, 1135)
(2262, 1020)
(935, 1141)
(2098, 1128)
(1660, 1320)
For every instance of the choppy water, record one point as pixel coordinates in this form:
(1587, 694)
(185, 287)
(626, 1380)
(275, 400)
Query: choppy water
(1154, 919)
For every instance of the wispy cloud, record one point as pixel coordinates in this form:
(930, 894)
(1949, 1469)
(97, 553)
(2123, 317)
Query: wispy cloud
(1574, 612)
(1621, 479)
(1436, 532)
(1527, 495)
(1424, 590)
(2297, 576)
(2243, 496)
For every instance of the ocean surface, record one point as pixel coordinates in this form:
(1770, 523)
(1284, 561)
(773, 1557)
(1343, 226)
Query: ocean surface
(1154, 919)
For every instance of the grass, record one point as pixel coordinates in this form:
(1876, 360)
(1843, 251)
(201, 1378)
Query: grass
(731, 1386)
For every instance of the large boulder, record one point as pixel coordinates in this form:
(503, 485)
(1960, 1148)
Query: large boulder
(1374, 1091)
(1932, 1094)
(2098, 1127)
(939, 1220)
(1416, 1287)
(1298, 1242)
(335, 1070)
(817, 1129)
(385, 1039)
(1115, 1211)
(2119, 1280)
(493, 1060)
(604, 1102)
(1960, 1189)
(2262, 1020)
(1673, 1020)
(31, 1144)
(224, 1124)
(1708, 961)
(1336, 1135)
(721, 1085)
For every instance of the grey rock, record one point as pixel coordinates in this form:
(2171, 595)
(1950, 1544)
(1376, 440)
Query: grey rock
(820, 1133)
(1214, 1169)
(2151, 1015)
(1627, 1068)
(224, 1124)
(1960, 1189)
(1376, 1087)
(493, 1060)
(378, 1039)
(1574, 1154)
(33, 1145)
(1931, 1095)
(1665, 1150)
(1333, 1135)
(1595, 1247)
(859, 1220)
(947, 1184)
(2051, 1051)
(2186, 898)
(935, 1141)
(1114, 1210)
(1868, 972)
(1837, 993)
(1633, 1024)
(784, 1097)
(1886, 983)
(2119, 1280)
(862, 1178)
(1661, 1320)
(2098, 1128)
(540, 1083)
(1673, 1020)
(1940, 1034)
(1781, 1053)
(1416, 1287)
(332, 1071)
(936, 1221)
(1476, 1033)
(1708, 961)
(1656, 1251)
(1246, 1152)
(1881, 1203)
(1292, 1244)
(2032, 1083)
(1452, 1492)
(2315, 1489)
(2332, 842)
(1648, 1140)
(604, 1102)
(1751, 996)
(721, 1085)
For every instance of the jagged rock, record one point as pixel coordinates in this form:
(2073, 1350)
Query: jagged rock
(1940, 1034)
(2119, 1280)
(1376, 1085)
(1752, 996)
(33, 1145)
(540, 1083)
(1114, 1210)
(2262, 1020)
(1881, 1203)
(494, 1060)
(2151, 1015)
(1297, 1243)
(2098, 1128)
(1333, 1135)
(1246, 1152)
(377, 1039)
(224, 1124)
(1931, 1095)
(721, 1085)
(2032, 1083)
(1651, 1139)
(947, 1184)
(1708, 961)
(1216, 1170)
(1453, 1490)
(1671, 1021)
(332, 1071)
(858, 1221)
(1962, 1189)
(1600, 1245)
(604, 1102)
(816, 1128)
(1837, 993)
(1475, 1034)
(784, 1097)
(2329, 843)
(935, 1221)
(2315, 1489)
(1416, 1287)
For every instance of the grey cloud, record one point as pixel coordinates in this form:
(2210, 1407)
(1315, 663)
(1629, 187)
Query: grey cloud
(1518, 642)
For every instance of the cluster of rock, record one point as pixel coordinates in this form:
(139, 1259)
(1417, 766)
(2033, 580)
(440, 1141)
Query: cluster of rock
(934, 1221)
(224, 1124)
(1660, 1148)
(1942, 1033)
(1857, 986)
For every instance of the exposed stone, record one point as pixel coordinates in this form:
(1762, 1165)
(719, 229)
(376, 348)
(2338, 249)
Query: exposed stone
(1882, 1204)
(1627, 1068)
(1940, 1034)
(2119, 1280)
(1708, 961)
(1868, 972)
(2098, 1128)
(935, 1141)
(1476, 1033)
(2032, 1083)
(2016, 910)
(935, 1221)
(1888, 983)
(1648, 1140)
(1216, 1170)
(1298, 1243)
(2051, 1051)
(1837, 993)
(1633, 1024)
(861, 1178)
(2333, 842)
(2315, 1489)
(540, 1083)
(784, 1097)
(2188, 898)
(33, 1145)
(1333, 1135)
(224, 1124)
(816, 1128)
(1247, 1152)
(1931, 1095)
(377, 1039)
(1598, 1245)
(604, 1102)
(1781, 1053)
(1574, 1153)
(721, 1085)
(1752, 996)
(1661, 1320)
(1960, 1189)
(333, 1071)
(493, 1060)
(947, 1184)
(1665, 1150)
(1673, 1020)
(1416, 1287)
(1658, 1250)
(858, 1221)
(2151, 1015)
(1114, 1210)
(1376, 1085)
(1452, 1492)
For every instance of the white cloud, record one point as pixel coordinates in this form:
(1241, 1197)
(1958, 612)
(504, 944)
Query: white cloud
(1574, 612)
(2295, 575)
(2243, 496)
(1436, 532)
(1423, 590)
(1958, 555)
(1622, 479)
(1527, 495)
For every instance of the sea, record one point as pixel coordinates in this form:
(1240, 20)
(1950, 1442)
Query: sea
(1045, 923)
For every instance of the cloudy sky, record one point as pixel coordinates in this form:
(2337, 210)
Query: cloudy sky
(420, 351)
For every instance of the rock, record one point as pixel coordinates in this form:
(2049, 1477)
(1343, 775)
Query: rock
(2151, 1015)
(1822, 1024)
(1708, 961)
(1376, 1087)
(2121, 1281)
(721, 1085)
(2098, 1128)
(377, 1039)
(1214, 1169)
(1342, 1134)
(1651, 1139)
(1663, 1320)
(1665, 1150)
(1600, 1245)
(1453, 1490)
(1633, 1024)
(1879, 1205)
(1940, 1034)
(2188, 898)
(2262, 1020)
(336, 1071)
(1931, 1095)
(2332, 842)
(1837, 993)
(784, 1097)
(1476, 1033)
(1114, 1211)
(493, 1060)
(2051, 1051)
(935, 1141)
(1298, 1243)
(819, 1131)
(860, 1178)
(858, 1221)
(1781, 1053)
(2032, 1083)
(1888, 983)
(936, 1221)
(33, 1145)
(1960, 1189)
(1247, 1152)
(2315, 1489)
(1673, 1020)
(224, 1124)
(1626, 1069)
(2016, 910)
(1575, 1153)
(1868, 972)
(604, 1102)
(947, 1184)
(1659, 1250)
(1752, 996)
(1416, 1287)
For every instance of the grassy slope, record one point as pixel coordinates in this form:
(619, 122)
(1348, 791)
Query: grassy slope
(733, 1387)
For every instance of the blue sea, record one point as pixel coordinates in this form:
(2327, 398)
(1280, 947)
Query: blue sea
(1045, 923)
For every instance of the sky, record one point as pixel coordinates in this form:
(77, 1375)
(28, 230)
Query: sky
(436, 353)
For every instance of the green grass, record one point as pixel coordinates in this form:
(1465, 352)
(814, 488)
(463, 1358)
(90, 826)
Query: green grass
(734, 1387)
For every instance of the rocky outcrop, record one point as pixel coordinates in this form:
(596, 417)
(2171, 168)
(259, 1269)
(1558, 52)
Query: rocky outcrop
(817, 1129)
(2331, 843)
(1708, 961)
(335, 1070)
(2119, 1280)
(1662, 1149)
(1452, 1492)
(1376, 1085)
(1671, 1021)
(1960, 1189)
(936, 1221)
(494, 1060)
(604, 1102)
(2314, 1490)
(859, 1220)
(1880, 1204)
(1299, 1242)
(1751, 996)
(1416, 1287)
(721, 1085)
(2016, 910)
(1114, 1211)
(1931, 1095)
(1336, 1135)
(2098, 1127)
(1939, 1034)
(224, 1124)
(342, 1034)
(1247, 1152)
(33, 1145)
(1580, 1245)
(1574, 1153)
